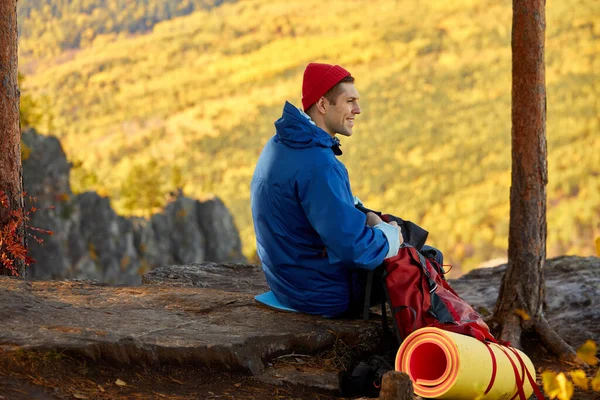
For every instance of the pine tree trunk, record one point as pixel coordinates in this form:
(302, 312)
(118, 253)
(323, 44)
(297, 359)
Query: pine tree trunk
(10, 134)
(523, 290)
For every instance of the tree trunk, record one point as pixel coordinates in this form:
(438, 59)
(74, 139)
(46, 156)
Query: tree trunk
(10, 135)
(521, 300)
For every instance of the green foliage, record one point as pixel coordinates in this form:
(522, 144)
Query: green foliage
(200, 93)
(146, 187)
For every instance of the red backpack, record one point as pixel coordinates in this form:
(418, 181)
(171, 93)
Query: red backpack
(419, 296)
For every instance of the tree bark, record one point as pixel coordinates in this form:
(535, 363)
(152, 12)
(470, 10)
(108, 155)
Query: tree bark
(521, 299)
(10, 134)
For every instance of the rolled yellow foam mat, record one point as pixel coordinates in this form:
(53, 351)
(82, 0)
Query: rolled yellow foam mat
(448, 365)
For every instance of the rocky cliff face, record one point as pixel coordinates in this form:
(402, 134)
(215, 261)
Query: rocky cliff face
(91, 241)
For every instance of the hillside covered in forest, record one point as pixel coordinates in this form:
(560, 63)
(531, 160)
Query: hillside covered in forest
(189, 102)
(47, 27)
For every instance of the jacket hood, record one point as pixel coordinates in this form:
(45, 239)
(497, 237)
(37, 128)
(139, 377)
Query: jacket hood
(296, 130)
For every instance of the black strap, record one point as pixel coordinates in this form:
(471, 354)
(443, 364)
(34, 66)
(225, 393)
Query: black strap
(414, 314)
(387, 333)
(368, 289)
(418, 257)
(384, 321)
(384, 313)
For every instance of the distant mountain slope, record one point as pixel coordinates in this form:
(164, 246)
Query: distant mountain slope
(48, 26)
(191, 104)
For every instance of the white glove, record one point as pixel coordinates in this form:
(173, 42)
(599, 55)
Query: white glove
(393, 234)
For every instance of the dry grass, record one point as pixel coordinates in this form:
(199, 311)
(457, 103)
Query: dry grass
(60, 376)
(341, 356)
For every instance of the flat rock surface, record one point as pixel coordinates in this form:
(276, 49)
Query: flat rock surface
(240, 278)
(154, 325)
(324, 381)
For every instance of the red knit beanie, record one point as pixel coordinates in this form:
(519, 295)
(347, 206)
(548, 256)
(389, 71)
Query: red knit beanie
(318, 79)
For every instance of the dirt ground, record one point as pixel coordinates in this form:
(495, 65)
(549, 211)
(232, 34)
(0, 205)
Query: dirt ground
(55, 376)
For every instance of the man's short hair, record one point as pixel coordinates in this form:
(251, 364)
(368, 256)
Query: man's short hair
(333, 93)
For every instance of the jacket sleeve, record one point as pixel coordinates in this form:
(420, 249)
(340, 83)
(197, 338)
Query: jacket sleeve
(329, 206)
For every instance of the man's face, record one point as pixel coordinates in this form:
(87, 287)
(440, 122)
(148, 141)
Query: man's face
(339, 118)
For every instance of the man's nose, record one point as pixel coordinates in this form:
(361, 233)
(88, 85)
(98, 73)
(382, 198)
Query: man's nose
(356, 109)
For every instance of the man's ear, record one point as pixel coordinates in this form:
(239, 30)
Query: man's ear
(322, 105)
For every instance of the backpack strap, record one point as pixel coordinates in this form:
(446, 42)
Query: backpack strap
(368, 289)
(494, 368)
(536, 389)
(418, 257)
(438, 309)
(518, 380)
(521, 382)
(387, 299)
(389, 340)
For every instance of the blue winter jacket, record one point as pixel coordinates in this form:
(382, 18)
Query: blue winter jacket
(309, 235)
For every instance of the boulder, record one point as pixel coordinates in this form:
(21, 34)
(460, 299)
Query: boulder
(46, 177)
(223, 242)
(572, 295)
(101, 245)
(186, 240)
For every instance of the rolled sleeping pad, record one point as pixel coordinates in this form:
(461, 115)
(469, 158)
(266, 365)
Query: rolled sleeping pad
(448, 365)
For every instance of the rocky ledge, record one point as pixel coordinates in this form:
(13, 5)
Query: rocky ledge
(218, 325)
(204, 314)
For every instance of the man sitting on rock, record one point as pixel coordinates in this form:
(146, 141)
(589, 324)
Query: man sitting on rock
(312, 241)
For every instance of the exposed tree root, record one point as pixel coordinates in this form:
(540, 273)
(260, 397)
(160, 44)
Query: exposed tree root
(553, 341)
(512, 328)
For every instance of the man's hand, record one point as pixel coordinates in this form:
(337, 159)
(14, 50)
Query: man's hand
(373, 219)
(394, 223)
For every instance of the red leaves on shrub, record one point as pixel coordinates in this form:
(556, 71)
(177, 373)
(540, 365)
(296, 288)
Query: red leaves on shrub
(12, 235)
